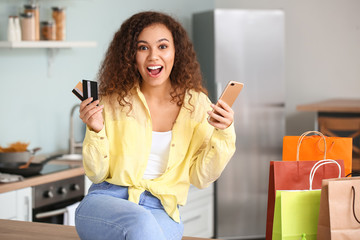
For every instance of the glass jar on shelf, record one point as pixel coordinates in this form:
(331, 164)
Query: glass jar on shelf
(48, 30)
(59, 17)
(34, 9)
(27, 22)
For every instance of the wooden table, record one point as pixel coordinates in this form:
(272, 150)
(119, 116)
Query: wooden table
(16, 230)
(342, 113)
(351, 106)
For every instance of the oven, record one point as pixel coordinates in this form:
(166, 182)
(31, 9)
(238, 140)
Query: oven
(52, 200)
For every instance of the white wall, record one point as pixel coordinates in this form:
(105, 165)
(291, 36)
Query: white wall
(35, 107)
(322, 52)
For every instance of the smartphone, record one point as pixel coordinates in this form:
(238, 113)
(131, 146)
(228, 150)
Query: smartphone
(229, 95)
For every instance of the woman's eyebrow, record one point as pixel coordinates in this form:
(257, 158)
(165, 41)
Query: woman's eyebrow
(141, 41)
(160, 40)
(163, 39)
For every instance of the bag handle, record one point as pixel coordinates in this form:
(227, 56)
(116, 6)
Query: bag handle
(329, 148)
(352, 173)
(301, 138)
(319, 164)
(353, 190)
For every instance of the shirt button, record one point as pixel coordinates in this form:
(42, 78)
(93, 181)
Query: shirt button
(102, 138)
(173, 145)
(212, 147)
(105, 156)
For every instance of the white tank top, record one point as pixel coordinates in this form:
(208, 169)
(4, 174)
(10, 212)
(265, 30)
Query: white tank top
(159, 155)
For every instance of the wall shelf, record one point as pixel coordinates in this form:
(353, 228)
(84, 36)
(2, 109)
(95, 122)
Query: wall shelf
(47, 44)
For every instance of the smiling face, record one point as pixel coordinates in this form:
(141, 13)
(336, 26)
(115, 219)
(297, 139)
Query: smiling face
(155, 55)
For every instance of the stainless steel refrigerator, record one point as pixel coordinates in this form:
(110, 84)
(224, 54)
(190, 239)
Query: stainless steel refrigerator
(245, 46)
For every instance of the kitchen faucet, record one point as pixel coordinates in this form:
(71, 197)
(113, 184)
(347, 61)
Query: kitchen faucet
(75, 147)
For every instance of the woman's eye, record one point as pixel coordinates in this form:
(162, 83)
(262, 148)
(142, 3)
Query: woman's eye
(142, 48)
(162, 46)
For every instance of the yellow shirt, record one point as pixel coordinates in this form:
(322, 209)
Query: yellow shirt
(118, 154)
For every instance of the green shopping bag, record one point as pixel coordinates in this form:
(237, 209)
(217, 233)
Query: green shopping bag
(296, 212)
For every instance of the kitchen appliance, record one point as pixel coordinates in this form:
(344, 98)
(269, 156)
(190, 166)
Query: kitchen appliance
(32, 170)
(245, 46)
(50, 200)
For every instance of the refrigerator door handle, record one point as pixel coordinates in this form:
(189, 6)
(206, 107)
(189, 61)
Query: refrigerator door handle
(274, 105)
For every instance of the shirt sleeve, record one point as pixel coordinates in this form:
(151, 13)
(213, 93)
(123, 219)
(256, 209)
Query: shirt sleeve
(213, 156)
(96, 155)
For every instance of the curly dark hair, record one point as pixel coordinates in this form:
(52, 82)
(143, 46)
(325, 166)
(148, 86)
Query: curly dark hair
(118, 73)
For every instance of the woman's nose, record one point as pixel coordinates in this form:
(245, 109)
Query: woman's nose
(154, 54)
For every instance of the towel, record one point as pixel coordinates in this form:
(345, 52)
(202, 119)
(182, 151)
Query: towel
(6, 178)
(69, 215)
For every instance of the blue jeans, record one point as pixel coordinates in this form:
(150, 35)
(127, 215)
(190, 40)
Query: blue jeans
(105, 213)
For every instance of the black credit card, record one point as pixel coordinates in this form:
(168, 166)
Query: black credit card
(90, 89)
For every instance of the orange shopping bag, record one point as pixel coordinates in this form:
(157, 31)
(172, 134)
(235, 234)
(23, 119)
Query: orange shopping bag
(313, 148)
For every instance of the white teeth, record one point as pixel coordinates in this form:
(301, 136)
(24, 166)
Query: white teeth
(154, 67)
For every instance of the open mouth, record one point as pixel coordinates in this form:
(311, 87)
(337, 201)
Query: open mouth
(154, 70)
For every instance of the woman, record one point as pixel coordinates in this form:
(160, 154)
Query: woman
(150, 137)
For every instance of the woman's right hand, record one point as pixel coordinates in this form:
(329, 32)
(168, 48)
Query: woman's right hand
(91, 115)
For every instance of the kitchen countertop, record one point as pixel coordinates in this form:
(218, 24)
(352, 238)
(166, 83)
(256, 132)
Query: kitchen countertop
(14, 230)
(41, 179)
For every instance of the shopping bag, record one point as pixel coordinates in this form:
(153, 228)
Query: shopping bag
(296, 214)
(294, 175)
(339, 216)
(297, 211)
(312, 148)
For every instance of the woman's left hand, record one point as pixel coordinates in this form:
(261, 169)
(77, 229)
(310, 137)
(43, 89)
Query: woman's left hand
(222, 116)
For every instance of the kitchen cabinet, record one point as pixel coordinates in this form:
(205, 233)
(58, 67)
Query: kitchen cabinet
(198, 213)
(16, 205)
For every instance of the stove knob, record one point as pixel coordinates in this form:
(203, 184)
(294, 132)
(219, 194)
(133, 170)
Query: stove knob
(48, 194)
(62, 191)
(75, 187)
